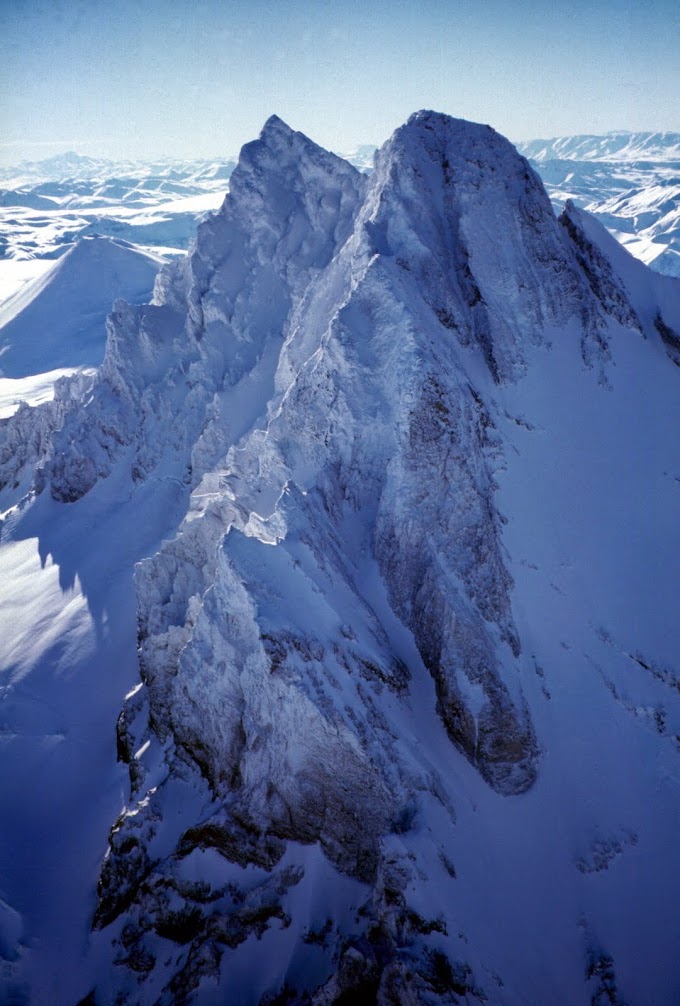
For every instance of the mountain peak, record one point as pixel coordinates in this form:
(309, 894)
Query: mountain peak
(394, 582)
(275, 124)
(435, 134)
(448, 191)
(431, 119)
(282, 151)
(278, 137)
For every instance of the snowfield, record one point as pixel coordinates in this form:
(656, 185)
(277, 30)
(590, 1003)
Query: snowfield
(340, 637)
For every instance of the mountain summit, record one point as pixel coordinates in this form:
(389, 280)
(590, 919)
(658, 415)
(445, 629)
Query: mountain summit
(395, 456)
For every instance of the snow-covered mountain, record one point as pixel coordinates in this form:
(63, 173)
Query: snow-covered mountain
(393, 459)
(55, 324)
(629, 181)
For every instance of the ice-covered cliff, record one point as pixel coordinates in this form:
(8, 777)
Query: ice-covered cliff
(407, 724)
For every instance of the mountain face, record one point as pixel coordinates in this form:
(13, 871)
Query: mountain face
(396, 459)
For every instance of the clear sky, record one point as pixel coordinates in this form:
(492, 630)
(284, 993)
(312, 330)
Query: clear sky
(199, 77)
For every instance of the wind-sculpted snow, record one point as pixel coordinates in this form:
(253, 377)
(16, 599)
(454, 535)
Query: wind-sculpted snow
(339, 648)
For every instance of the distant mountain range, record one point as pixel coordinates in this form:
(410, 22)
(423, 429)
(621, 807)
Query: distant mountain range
(72, 167)
(616, 146)
(629, 181)
(45, 206)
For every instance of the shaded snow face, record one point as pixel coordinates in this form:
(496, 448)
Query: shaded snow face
(331, 649)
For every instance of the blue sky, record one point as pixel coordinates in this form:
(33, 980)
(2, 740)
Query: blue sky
(199, 78)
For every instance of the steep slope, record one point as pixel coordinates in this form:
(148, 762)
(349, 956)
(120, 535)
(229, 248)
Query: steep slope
(57, 320)
(397, 653)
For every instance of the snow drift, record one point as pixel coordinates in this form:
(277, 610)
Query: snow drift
(57, 320)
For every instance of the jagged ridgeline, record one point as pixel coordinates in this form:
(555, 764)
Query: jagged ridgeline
(340, 692)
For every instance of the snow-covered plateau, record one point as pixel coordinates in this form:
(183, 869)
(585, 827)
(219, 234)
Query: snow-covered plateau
(340, 637)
